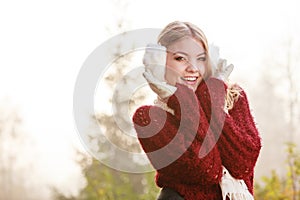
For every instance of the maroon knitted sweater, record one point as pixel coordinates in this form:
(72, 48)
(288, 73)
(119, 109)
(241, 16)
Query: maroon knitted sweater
(188, 149)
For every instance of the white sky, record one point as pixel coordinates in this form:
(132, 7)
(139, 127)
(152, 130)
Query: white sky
(44, 43)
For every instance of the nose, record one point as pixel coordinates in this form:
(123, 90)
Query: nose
(192, 67)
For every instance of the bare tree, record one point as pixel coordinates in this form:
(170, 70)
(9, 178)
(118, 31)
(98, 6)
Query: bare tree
(277, 106)
(16, 158)
(292, 102)
(114, 126)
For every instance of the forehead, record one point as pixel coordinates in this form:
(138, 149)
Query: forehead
(188, 45)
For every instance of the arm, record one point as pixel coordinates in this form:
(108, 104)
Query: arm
(239, 142)
(241, 138)
(172, 142)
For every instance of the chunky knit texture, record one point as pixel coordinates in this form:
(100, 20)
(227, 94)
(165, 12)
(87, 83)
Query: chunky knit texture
(173, 142)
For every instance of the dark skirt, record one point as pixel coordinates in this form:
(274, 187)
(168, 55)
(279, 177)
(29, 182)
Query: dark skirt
(169, 194)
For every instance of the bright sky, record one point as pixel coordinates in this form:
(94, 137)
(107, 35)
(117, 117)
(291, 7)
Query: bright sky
(44, 43)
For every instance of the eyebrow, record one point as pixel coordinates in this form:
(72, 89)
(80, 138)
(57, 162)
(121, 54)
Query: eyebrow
(181, 52)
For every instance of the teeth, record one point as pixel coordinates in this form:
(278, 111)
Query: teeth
(189, 78)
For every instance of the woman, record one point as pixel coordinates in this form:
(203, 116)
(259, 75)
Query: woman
(200, 135)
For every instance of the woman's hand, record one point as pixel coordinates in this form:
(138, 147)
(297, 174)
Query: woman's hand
(162, 89)
(223, 70)
(219, 66)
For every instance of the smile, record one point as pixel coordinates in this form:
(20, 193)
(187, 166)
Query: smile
(189, 78)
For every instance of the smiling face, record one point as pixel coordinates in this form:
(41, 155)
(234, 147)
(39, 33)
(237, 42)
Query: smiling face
(186, 62)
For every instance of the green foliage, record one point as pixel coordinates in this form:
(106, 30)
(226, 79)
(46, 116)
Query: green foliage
(282, 188)
(273, 188)
(108, 184)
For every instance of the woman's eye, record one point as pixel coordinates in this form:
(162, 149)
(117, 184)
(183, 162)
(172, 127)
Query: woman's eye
(179, 58)
(202, 58)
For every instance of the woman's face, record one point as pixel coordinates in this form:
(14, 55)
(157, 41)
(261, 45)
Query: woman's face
(186, 63)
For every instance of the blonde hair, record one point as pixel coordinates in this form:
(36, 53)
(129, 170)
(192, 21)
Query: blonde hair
(232, 95)
(177, 30)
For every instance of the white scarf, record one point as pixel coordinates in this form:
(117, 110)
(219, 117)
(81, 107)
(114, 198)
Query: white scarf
(235, 189)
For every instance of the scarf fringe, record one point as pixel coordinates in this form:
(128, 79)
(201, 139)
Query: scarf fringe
(234, 189)
(238, 196)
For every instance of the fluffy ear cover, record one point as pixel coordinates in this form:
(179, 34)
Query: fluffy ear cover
(155, 60)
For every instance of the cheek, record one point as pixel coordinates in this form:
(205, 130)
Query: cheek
(175, 66)
(202, 69)
(171, 76)
(173, 69)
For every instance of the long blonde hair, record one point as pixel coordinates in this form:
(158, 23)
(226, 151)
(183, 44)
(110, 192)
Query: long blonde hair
(177, 30)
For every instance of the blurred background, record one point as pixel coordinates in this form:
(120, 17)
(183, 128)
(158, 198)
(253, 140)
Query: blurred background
(43, 45)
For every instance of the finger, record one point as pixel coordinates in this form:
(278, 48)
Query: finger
(220, 63)
(224, 64)
(228, 71)
(229, 68)
(148, 76)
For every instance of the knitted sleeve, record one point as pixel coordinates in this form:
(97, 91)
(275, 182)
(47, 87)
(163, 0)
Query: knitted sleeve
(173, 142)
(238, 138)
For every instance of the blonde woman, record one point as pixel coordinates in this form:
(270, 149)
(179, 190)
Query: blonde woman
(200, 135)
